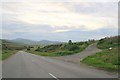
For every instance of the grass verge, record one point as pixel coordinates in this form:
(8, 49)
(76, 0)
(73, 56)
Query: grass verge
(57, 52)
(51, 54)
(7, 53)
(105, 59)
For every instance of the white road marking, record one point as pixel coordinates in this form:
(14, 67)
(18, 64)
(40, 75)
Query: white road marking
(53, 76)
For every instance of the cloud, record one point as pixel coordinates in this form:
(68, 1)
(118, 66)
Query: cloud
(61, 0)
(57, 17)
(61, 31)
(95, 8)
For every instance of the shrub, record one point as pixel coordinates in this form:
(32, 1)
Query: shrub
(73, 47)
(28, 49)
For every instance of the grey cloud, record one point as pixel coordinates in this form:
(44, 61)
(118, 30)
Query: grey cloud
(95, 8)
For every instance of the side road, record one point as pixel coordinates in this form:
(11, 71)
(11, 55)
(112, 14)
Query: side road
(91, 49)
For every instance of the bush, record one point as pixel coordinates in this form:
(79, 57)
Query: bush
(28, 49)
(73, 47)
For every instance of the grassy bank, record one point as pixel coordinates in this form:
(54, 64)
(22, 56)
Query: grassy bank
(54, 53)
(7, 53)
(106, 59)
(60, 49)
(57, 53)
(9, 48)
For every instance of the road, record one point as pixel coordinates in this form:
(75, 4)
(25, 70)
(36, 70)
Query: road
(27, 65)
(91, 49)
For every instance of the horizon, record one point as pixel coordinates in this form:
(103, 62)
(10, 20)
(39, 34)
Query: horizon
(59, 21)
(60, 41)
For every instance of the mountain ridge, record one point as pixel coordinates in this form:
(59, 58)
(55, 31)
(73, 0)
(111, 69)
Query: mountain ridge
(32, 42)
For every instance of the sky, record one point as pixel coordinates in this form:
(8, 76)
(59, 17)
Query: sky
(58, 21)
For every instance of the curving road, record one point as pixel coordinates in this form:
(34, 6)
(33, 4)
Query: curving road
(26, 65)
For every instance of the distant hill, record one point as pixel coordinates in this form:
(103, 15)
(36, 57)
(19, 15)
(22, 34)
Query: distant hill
(24, 41)
(6, 44)
(32, 42)
(47, 42)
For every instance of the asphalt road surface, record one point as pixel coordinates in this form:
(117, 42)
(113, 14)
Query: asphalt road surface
(26, 65)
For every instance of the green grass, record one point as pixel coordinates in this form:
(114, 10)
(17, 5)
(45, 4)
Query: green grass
(105, 59)
(7, 53)
(58, 53)
(107, 42)
(9, 48)
(0, 56)
(57, 50)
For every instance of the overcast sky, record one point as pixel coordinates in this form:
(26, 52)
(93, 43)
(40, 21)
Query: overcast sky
(59, 21)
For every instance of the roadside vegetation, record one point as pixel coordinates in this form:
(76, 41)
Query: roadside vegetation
(7, 53)
(108, 58)
(61, 49)
(7, 49)
(108, 42)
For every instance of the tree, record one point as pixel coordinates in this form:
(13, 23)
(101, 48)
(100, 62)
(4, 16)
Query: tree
(70, 42)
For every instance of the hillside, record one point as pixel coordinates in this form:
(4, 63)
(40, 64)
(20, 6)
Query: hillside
(107, 59)
(32, 42)
(24, 41)
(9, 48)
(7, 45)
(47, 42)
(60, 49)
(107, 42)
